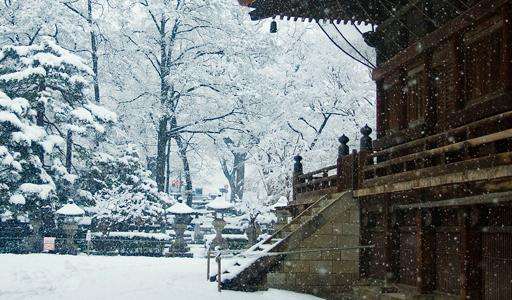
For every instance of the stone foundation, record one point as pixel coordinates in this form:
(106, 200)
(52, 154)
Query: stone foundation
(327, 274)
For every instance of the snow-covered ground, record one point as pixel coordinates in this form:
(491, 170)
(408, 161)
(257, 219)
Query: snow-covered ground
(46, 276)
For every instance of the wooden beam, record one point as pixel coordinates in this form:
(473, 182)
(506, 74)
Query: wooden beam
(492, 160)
(492, 198)
(453, 178)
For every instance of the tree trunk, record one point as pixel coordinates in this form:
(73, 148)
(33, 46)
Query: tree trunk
(235, 176)
(160, 153)
(168, 168)
(94, 53)
(182, 149)
(40, 122)
(69, 151)
(239, 176)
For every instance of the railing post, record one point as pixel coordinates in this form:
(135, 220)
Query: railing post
(365, 147)
(366, 140)
(343, 151)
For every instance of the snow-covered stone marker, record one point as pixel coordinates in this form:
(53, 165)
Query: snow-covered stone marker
(70, 213)
(182, 218)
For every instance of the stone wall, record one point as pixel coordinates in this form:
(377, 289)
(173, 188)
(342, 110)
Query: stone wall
(327, 274)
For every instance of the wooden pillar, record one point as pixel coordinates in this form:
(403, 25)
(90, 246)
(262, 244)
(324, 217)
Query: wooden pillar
(458, 70)
(381, 110)
(391, 242)
(470, 254)
(430, 101)
(403, 105)
(425, 251)
(506, 64)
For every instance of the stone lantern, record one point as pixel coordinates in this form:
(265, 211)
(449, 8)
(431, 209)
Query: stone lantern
(69, 215)
(280, 208)
(182, 217)
(219, 206)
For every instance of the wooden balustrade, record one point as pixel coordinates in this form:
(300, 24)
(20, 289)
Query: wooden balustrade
(336, 178)
(477, 145)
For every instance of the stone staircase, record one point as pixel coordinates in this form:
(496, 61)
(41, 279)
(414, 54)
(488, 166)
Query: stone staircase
(317, 227)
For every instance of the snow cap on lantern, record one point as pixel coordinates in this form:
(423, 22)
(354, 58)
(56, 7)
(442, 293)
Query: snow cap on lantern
(70, 210)
(219, 204)
(181, 208)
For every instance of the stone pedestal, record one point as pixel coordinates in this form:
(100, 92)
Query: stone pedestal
(179, 247)
(219, 241)
(198, 234)
(70, 229)
(36, 240)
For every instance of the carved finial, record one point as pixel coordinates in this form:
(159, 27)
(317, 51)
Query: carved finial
(297, 167)
(366, 140)
(343, 149)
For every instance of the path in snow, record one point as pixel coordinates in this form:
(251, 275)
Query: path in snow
(46, 276)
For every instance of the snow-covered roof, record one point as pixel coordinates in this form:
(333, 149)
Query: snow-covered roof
(70, 209)
(219, 204)
(180, 208)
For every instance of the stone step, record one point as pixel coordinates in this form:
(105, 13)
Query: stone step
(393, 296)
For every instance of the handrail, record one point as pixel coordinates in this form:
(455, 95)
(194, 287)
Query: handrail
(280, 230)
(449, 132)
(322, 170)
(317, 180)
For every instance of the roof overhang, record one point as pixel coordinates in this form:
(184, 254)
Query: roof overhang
(347, 11)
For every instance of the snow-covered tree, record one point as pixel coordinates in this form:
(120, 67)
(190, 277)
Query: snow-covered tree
(124, 194)
(50, 84)
(27, 189)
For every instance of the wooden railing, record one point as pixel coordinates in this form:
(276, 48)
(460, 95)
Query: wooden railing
(480, 145)
(336, 178)
(477, 145)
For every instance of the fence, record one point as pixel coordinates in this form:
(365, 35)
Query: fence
(97, 246)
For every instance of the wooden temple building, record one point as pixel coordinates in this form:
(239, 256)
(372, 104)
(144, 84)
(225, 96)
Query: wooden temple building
(433, 191)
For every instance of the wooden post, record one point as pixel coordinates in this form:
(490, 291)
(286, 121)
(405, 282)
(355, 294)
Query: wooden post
(425, 252)
(458, 70)
(430, 101)
(470, 254)
(219, 272)
(297, 171)
(343, 151)
(366, 140)
(506, 64)
(208, 258)
(381, 111)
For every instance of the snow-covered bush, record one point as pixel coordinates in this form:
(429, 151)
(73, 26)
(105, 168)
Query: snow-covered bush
(124, 194)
